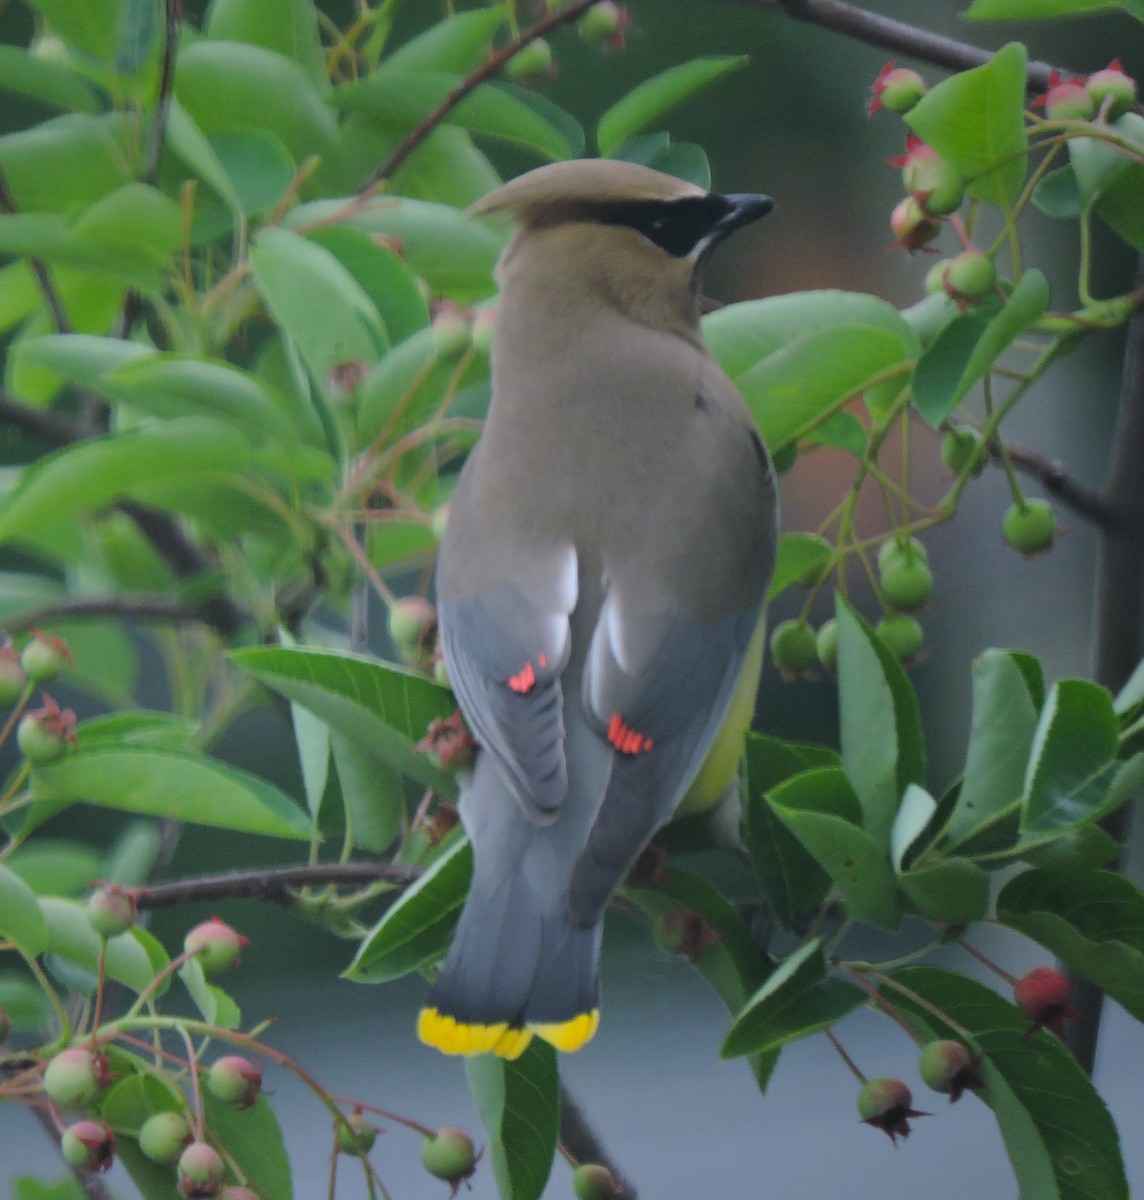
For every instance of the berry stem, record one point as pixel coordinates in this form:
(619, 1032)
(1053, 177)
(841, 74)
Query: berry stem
(881, 1002)
(987, 962)
(408, 1122)
(196, 1090)
(923, 1003)
(17, 712)
(845, 1057)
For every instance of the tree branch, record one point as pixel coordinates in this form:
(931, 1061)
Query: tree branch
(1053, 477)
(553, 18)
(39, 267)
(41, 423)
(131, 607)
(275, 883)
(580, 1140)
(897, 36)
(158, 131)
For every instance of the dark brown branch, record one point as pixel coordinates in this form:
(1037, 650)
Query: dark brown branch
(41, 423)
(91, 1185)
(126, 605)
(39, 267)
(553, 18)
(1052, 476)
(895, 36)
(158, 131)
(580, 1140)
(275, 883)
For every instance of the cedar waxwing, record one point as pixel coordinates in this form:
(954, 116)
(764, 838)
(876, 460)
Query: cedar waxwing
(601, 585)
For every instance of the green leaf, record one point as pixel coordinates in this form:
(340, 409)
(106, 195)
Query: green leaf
(969, 346)
(799, 554)
(1091, 920)
(153, 1180)
(252, 1138)
(1131, 695)
(1058, 194)
(312, 738)
(883, 749)
(913, 817)
(458, 44)
(1001, 736)
(648, 101)
(1072, 760)
(372, 796)
(417, 927)
(741, 335)
(130, 1101)
(786, 983)
(818, 1008)
(227, 86)
(976, 120)
(954, 891)
(1036, 10)
(49, 82)
(289, 27)
(170, 784)
(519, 1103)
(25, 1002)
(132, 856)
(842, 431)
(795, 388)
(454, 254)
(138, 35)
(496, 110)
(259, 170)
(446, 168)
(1118, 204)
(316, 301)
(214, 1005)
(54, 867)
(90, 25)
(134, 958)
(822, 810)
(94, 473)
(684, 160)
(792, 882)
(21, 918)
(1056, 1154)
(382, 709)
(1097, 164)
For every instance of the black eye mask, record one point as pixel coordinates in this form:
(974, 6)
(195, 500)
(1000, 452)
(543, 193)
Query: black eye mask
(675, 226)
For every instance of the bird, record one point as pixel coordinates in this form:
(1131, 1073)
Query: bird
(600, 585)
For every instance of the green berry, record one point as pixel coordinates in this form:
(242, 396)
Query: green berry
(237, 1193)
(88, 1145)
(531, 63)
(46, 733)
(484, 327)
(448, 1154)
(235, 1080)
(163, 1137)
(793, 647)
(935, 276)
(591, 1181)
(826, 644)
(1030, 529)
(355, 1135)
(907, 583)
(111, 911)
(898, 549)
(74, 1077)
(44, 657)
(948, 1066)
(934, 183)
(819, 571)
(959, 448)
(452, 331)
(439, 520)
(1112, 82)
(604, 22)
(201, 1171)
(13, 678)
(901, 634)
(885, 1104)
(413, 629)
(912, 226)
(897, 89)
(970, 275)
(216, 946)
(1069, 102)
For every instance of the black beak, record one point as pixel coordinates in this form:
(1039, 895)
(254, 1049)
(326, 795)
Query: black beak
(745, 208)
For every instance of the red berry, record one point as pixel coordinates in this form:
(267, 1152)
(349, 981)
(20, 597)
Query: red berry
(449, 743)
(215, 945)
(912, 227)
(885, 1104)
(1043, 996)
(235, 1080)
(88, 1145)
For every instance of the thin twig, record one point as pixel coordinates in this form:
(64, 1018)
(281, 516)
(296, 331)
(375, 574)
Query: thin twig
(553, 18)
(581, 1141)
(275, 883)
(897, 36)
(1051, 474)
(129, 606)
(41, 423)
(91, 1185)
(158, 131)
(39, 267)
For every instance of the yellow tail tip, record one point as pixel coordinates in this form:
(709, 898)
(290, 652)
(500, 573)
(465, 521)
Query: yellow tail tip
(451, 1036)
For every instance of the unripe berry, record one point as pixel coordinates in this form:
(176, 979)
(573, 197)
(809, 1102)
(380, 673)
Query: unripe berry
(1030, 528)
(413, 629)
(590, 1181)
(201, 1173)
(75, 1077)
(484, 329)
(907, 584)
(912, 227)
(1043, 996)
(793, 647)
(235, 1080)
(948, 1066)
(237, 1193)
(163, 1137)
(826, 644)
(216, 946)
(44, 657)
(452, 331)
(820, 571)
(970, 275)
(449, 1155)
(88, 1145)
(933, 182)
(898, 549)
(356, 1135)
(1069, 101)
(12, 677)
(46, 733)
(684, 931)
(901, 634)
(959, 448)
(449, 743)
(439, 521)
(896, 89)
(111, 910)
(885, 1104)
(1114, 85)
(935, 276)
(605, 22)
(532, 63)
